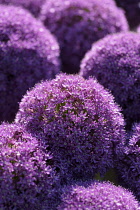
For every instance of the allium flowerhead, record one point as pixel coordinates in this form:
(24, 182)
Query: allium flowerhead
(28, 54)
(77, 24)
(27, 179)
(115, 62)
(132, 10)
(79, 121)
(33, 6)
(128, 162)
(98, 196)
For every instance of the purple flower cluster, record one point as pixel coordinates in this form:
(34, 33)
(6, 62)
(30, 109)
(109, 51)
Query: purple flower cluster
(79, 121)
(77, 24)
(33, 6)
(28, 54)
(132, 9)
(69, 128)
(27, 180)
(128, 161)
(98, 196)
(115, 62)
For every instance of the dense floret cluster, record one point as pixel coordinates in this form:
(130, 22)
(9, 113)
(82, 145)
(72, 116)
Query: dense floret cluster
(128, 162)
(115, 62)
(27, 180)
(33, 6)
(77, 24)
(98, 196)
(28, 54)
(79, 121)
(132, 9)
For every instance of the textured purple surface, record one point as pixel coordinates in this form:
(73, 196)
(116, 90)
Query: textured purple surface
(128, 162)
(98, 196)
(27, 180)
(28, 54)
(33, 6)
(115, 62)
(79, 121)
(132, 9)
(77, 24)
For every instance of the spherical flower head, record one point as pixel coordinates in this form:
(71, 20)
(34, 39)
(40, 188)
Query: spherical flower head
(115, 62)
(33, 6)
(79, 121)
(28, 52)
(77, 24)
(98, 196)
(27, 179)
(132, 11)
(128, 161)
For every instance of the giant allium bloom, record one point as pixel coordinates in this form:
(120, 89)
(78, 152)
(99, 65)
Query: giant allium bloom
(77, 24)
(128, 161)
(79, 121)
(27, 179)
(33, 6)
(132, 9)
(98, 196)
(28, 54)
(115, 62)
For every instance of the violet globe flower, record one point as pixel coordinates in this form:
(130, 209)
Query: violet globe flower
(33, 6)
(132, 10)
(79, 121)
(98, 196)
(28, 54)
(115, 62)
(27, 179)
(128, 162)
(77, 24)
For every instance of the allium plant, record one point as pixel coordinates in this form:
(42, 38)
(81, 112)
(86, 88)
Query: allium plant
(77, 24)
(28, 54)
(79, 121)
(128, 161)
(98, 196)
(115, 62)
(33, 6)
(132, 10)
(27, 180)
